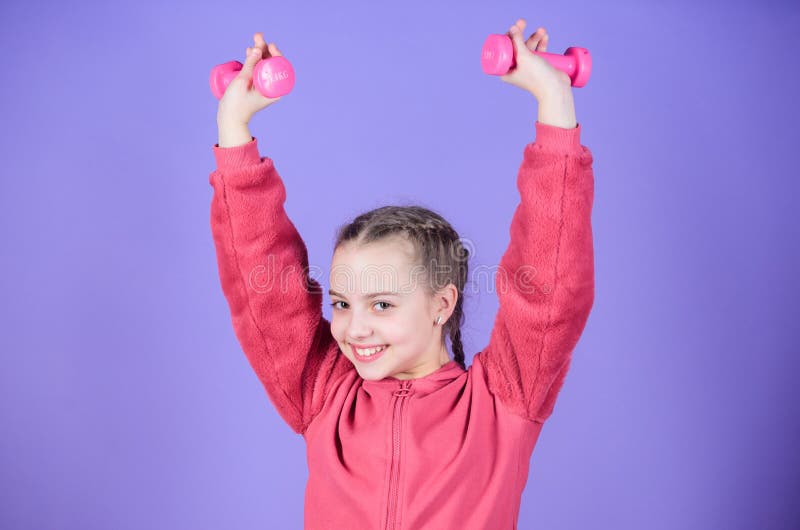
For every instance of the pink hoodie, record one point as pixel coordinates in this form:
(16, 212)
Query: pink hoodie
(448, 450)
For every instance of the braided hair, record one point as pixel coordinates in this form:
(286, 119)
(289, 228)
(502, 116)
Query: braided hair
(439, 252)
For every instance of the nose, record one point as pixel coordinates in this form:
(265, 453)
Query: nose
(358, 329)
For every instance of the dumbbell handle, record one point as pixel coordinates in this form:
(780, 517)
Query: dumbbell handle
(497, 58)
(273, 77)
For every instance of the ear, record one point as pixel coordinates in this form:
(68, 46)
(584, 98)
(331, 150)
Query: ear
(445, 302)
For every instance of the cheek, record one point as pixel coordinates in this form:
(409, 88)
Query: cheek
(338, 328)
(404, 329)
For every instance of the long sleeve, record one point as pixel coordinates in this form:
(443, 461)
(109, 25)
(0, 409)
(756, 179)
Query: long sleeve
(276, 307)
(545, 281)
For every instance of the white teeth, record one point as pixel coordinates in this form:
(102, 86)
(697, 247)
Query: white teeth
(369, 351)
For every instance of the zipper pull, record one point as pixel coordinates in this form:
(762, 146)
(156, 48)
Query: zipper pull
(404, 390)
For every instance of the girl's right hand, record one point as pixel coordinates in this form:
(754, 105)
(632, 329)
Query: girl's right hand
(241, 99)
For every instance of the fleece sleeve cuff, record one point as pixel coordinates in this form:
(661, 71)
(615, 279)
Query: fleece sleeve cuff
(558, 139)
(239, 156)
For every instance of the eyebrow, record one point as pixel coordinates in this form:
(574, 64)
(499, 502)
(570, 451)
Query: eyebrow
(368, 295)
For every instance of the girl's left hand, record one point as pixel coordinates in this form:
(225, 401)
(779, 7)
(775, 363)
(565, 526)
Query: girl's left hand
(533, 73)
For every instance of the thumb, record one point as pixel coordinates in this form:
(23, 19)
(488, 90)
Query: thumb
(253, 56)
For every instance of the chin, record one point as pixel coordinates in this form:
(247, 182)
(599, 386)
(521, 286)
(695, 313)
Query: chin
(372, 372)
(372, 377)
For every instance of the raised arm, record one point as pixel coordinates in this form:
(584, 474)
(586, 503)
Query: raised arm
(276, 307)
(545, 282)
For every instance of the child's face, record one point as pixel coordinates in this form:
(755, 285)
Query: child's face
(403, 321)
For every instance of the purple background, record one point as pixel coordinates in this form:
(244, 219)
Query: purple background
(126, 400)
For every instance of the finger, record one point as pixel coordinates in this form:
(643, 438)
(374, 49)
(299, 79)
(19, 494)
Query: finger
(258, 38)
(516, 35)
(253, 56)
(538, 40)
(274, 51)
(519, 24)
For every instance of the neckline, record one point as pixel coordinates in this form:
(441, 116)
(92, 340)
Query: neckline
(446, 372)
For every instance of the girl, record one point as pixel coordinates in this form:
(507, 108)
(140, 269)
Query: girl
(397, 434)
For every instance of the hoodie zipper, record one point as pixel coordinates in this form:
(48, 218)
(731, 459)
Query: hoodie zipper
(394, 474)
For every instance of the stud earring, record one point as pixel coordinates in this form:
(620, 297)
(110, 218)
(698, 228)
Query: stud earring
(439, 319)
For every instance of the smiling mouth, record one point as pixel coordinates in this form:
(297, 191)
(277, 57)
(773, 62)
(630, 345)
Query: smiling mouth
(369, 354)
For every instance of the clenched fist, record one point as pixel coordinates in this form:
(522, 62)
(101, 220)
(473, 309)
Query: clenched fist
(533, 73)
(241, 99)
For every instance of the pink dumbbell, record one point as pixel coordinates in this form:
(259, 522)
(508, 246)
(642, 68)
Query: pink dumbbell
(273, 77)
(497, 58)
